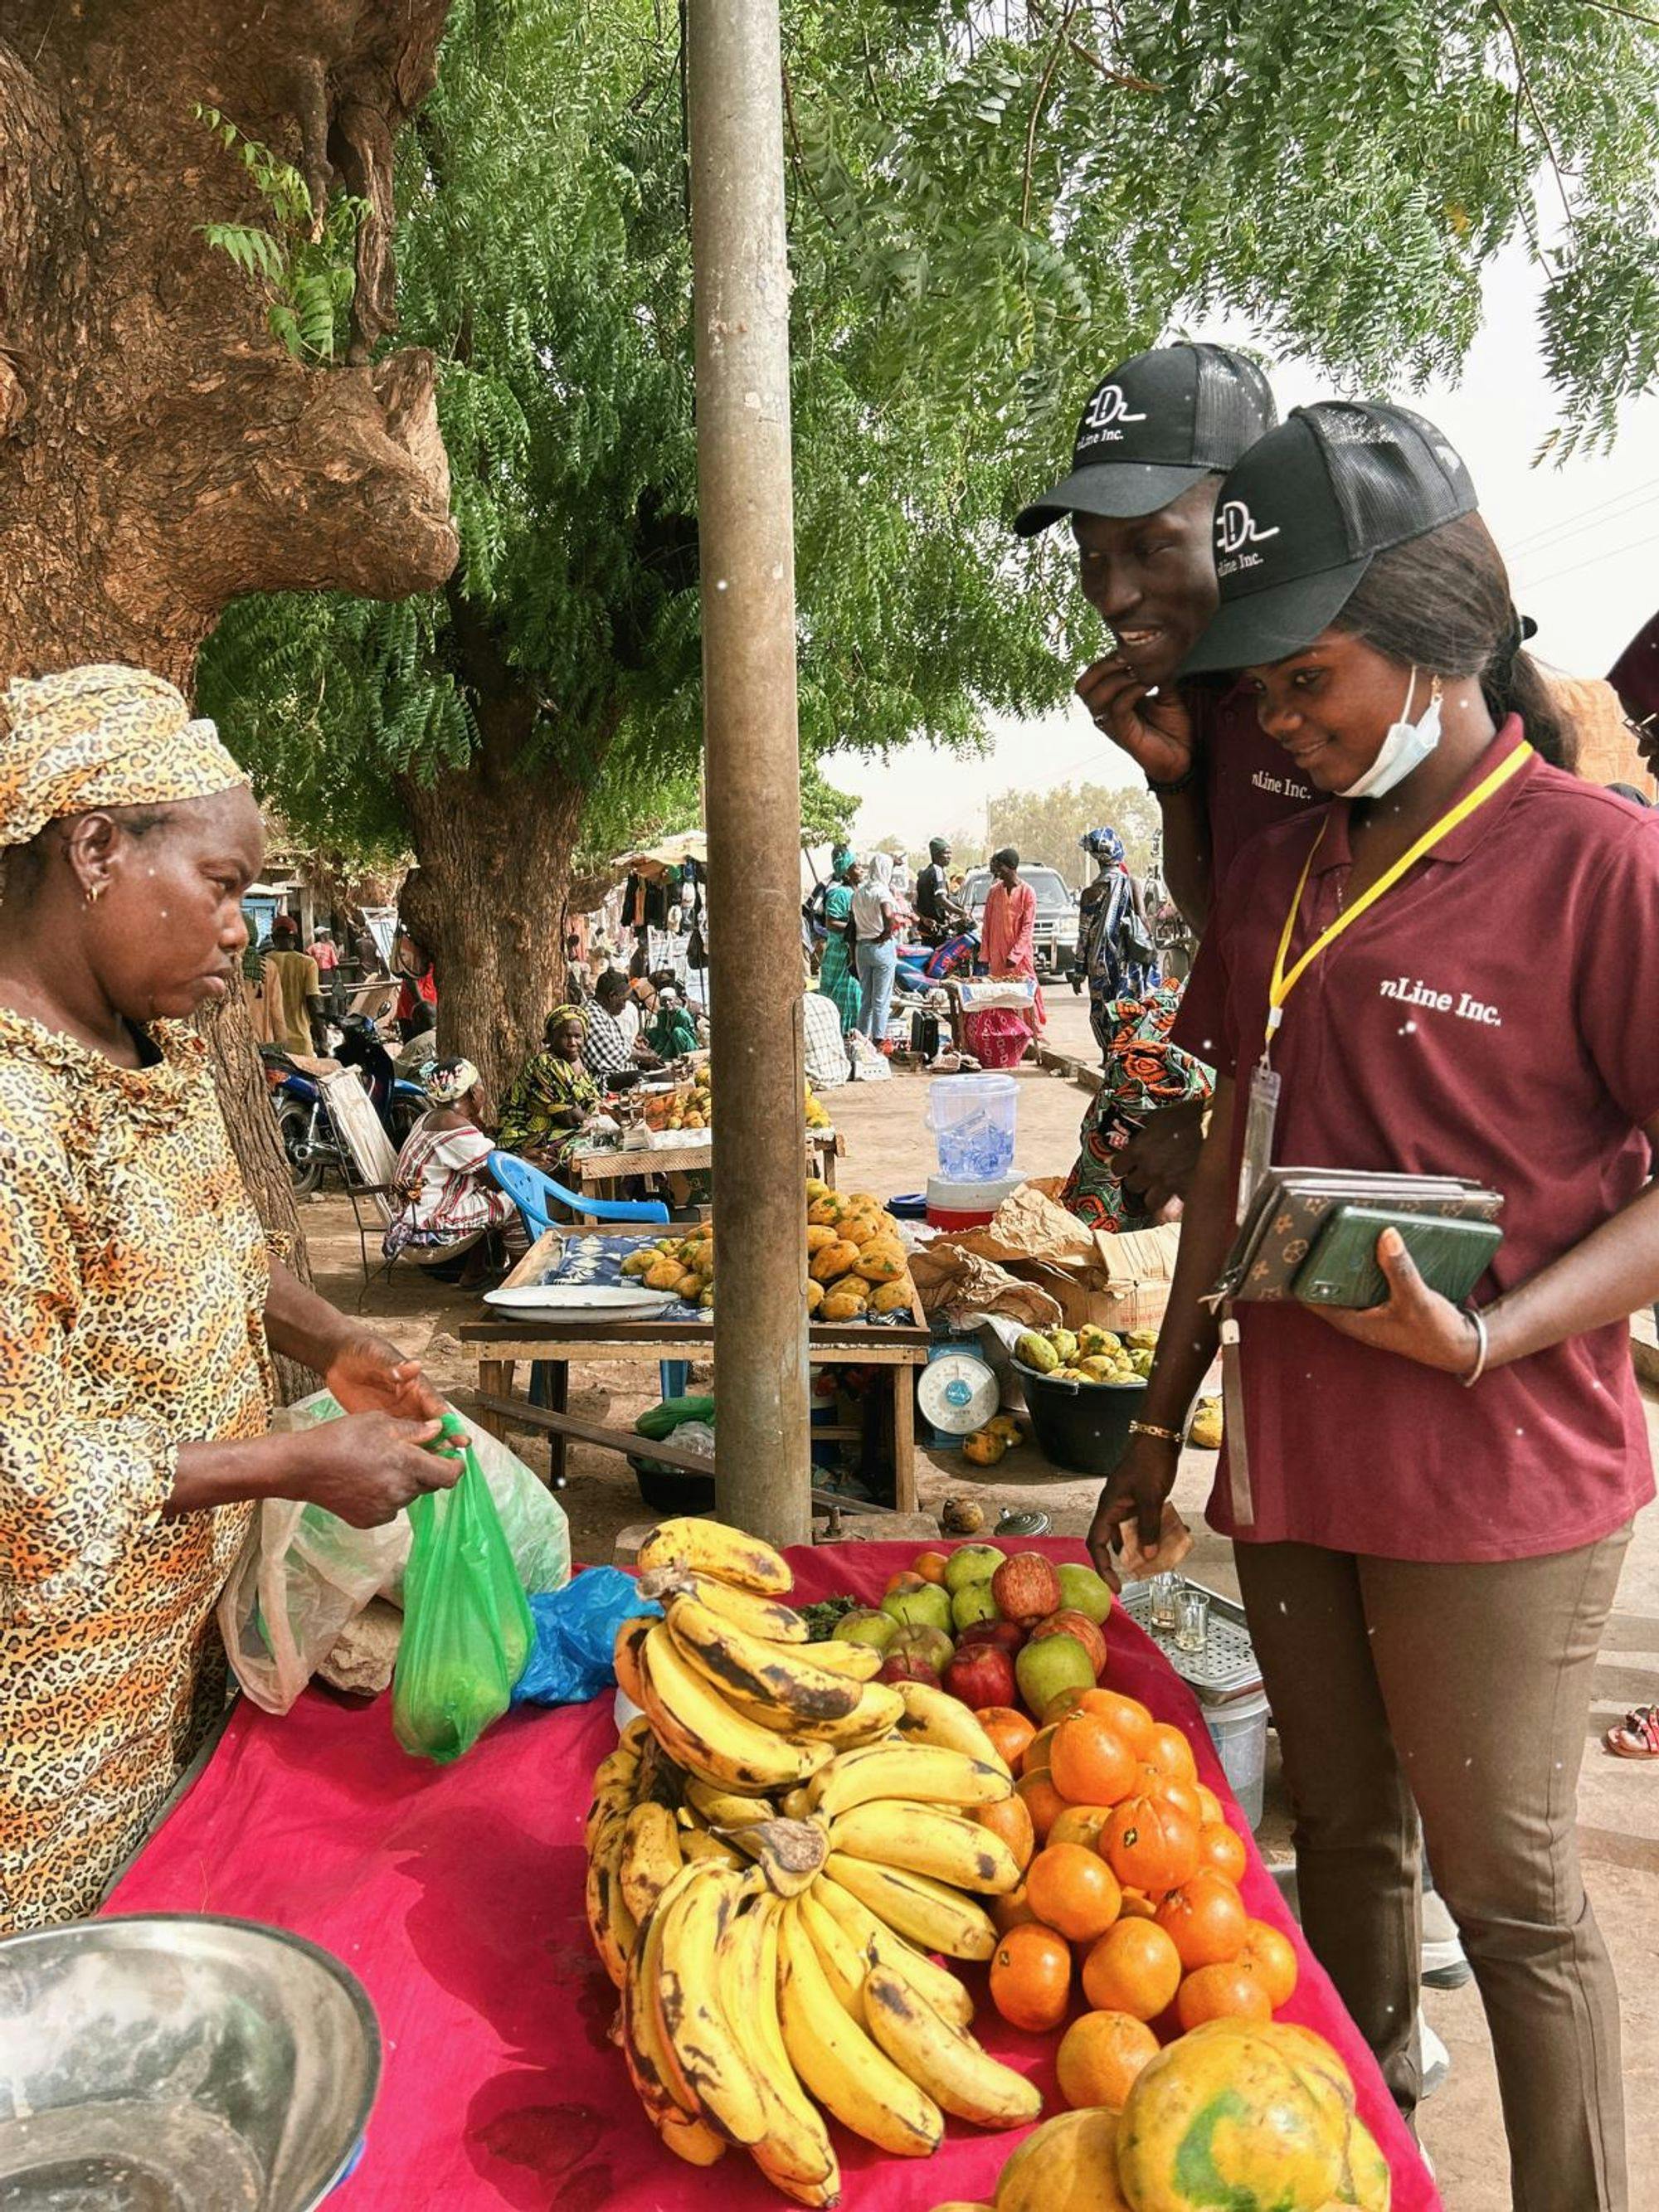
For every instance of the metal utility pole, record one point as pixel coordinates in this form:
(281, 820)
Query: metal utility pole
(745, 513)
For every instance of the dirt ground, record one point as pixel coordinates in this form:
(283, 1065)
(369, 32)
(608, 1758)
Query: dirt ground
(888, 1151)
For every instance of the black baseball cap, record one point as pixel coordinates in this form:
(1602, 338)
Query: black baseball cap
(1157, 424)
(1299, 520)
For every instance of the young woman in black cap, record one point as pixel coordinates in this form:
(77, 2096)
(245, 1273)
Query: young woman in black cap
(1430, 1502)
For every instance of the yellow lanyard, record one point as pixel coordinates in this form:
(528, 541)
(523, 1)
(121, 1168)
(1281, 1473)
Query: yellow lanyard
(1282, 985)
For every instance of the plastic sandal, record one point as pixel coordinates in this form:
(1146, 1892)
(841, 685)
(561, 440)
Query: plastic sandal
(1639, 1737)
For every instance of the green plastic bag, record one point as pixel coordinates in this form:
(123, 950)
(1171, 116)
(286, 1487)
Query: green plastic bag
(467, 1629)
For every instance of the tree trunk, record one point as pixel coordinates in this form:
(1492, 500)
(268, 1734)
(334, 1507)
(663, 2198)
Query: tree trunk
(161, 453)
(486, 900)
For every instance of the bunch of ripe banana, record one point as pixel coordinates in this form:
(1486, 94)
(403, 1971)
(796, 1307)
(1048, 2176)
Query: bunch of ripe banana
(775, 1848)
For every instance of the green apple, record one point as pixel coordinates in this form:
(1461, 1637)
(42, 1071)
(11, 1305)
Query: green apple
(1085, 1592)
(972, 1602)
(864, 1624)
(1048, 1665)
(926, 1608)
(971, 1563)
(930, 1645)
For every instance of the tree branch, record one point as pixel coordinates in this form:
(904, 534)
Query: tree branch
(796, 160)
(1037, 106)
(1524, 84)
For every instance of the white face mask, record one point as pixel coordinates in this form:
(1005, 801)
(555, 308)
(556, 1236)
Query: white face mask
(1405, 747)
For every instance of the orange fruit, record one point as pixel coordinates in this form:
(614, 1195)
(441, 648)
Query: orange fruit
(1081, 1823)
(1270, 1955)
(1150, 1845)
(1209, 1804)
(1128, 1715)
(1221, 1850)
(1035, 1753)
(1137, 1905)
(1060, 1707)
(1090, 1762)
(1072, 1889)
(931, 1565)
(1134, 1968)
(1221, 1992)
(1031, 1978)
(1154, 1783)
(1208, 1920)
(1010, 1731)
(1012, 1911)
(1171, 1753)
(1100, 2055)
(1010, 1819)
(1042, 1801)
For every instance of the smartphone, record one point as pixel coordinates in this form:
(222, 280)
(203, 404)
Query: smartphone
(1341, 1269)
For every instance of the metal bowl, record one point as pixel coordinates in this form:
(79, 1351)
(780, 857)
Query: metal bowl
(179, 2063)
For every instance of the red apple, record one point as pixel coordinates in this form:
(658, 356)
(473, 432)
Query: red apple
(904, 1667)
(1026, 1589)
(980, 1674)
(1069, 1622)
(1006, 1635)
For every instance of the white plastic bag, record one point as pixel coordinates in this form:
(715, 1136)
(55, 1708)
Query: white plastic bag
(304, 1575)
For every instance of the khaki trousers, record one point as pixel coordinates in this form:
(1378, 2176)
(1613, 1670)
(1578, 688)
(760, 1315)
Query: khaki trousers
(1460, 1692)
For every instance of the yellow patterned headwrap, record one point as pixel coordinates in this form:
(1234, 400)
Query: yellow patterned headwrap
(101, 736)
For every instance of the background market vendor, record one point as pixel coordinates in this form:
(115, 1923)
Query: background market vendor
(139, 1305)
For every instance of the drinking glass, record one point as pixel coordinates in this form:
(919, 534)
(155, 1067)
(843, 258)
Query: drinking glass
(1192, 1625)
(1164, 1587)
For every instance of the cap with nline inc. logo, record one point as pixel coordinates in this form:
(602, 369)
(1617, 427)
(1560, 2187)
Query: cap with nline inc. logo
(1301, 518)
(1159, 423)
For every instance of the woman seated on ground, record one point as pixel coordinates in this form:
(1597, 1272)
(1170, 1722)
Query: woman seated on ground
(672, 1033)
(447, 1203)
(553, 1097)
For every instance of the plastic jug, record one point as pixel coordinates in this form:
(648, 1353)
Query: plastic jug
(972, 1119)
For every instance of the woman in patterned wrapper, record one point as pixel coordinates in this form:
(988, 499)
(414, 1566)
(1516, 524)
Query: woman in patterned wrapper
(139, 1305)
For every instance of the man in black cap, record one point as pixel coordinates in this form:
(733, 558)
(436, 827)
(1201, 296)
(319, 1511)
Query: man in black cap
(1156, 438)
(933, 903)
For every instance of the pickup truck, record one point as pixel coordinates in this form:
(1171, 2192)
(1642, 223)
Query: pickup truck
(1055, 931)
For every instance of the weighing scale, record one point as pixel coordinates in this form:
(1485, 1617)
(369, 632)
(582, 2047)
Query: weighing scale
(957, 1391)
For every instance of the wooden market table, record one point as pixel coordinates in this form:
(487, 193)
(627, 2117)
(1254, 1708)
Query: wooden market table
(455, 1894)
(500, 1348)
(603, 1170)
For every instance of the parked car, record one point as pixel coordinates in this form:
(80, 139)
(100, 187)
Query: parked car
(1055, 931)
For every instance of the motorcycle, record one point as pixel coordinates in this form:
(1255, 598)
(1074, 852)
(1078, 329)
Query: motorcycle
(310, 1139)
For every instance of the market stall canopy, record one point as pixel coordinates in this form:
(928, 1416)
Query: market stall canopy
(668, 853)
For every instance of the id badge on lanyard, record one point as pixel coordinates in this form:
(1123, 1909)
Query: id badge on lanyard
(1260, 1113)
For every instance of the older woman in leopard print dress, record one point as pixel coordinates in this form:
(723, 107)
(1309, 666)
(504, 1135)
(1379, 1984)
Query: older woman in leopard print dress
(138, 1306)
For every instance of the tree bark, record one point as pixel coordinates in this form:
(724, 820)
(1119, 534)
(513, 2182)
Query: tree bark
(493, 843)
(161, 453)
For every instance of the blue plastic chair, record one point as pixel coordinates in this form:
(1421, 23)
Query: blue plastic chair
(531, 1191)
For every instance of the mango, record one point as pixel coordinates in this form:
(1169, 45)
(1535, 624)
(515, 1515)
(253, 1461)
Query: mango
(1034, 1351)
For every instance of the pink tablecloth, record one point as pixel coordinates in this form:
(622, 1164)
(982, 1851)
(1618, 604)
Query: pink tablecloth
(456, 1895)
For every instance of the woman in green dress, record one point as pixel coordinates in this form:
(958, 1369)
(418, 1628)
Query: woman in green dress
(553, 1097)
(836, 977)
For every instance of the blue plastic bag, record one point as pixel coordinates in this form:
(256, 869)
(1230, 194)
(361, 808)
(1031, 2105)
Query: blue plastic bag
(575, 1631)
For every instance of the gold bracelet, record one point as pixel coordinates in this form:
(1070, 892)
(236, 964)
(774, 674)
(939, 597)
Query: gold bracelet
(1151, 1428)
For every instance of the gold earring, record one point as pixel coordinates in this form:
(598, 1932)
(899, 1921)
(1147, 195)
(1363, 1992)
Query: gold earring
(94, 892)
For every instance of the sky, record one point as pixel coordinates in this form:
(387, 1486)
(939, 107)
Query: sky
(1581, 541)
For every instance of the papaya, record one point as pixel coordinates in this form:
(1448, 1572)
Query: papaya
(851, 1286)
(1093, 1343)
(1229, 2115)
(1141, 1339)
(834, 1260)
(1034, 1351)
(664, 1274)
(1098, 1369)
(840, 1305)
(1066, 2165)
(1065, 1344)
(814, 1295)
(690, 1286)
(816, 1188)
(892, 1298)
(860, 1227)
(881, 1263)
(826, 1211)
(984, 1448)
(1205, 1430)
(819, 1234)
(1005, 1427)
(637, 1263)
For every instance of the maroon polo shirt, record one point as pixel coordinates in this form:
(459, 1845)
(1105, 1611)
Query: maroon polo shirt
(1249, 782)
(1491, 1015)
